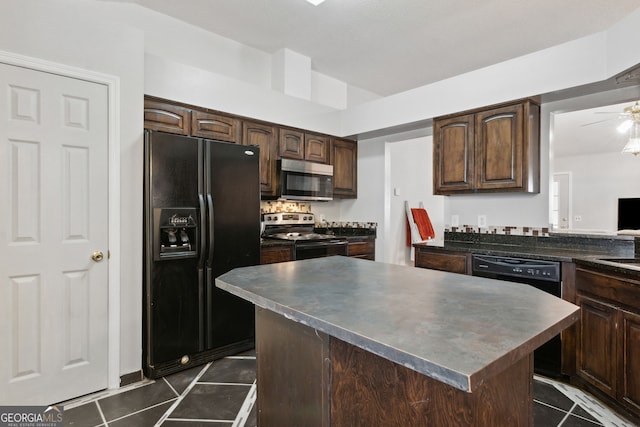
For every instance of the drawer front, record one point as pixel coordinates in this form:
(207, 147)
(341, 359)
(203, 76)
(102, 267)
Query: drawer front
(453, 263)
(274, 254)
(361, 248)
(624, 292)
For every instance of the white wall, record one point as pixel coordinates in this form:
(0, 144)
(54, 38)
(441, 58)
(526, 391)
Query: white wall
(410, 172)
(598, 181)
(402, 161)
(79, 34)
(180, 82)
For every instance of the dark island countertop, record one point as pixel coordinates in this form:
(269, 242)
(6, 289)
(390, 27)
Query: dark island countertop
(457, 329)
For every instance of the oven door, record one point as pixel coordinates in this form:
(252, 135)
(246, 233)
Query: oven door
(319, 249)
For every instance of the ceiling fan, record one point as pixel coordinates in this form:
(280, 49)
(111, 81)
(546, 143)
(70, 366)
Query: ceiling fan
(631, 114)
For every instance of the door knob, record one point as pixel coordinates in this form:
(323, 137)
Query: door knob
(97, 256)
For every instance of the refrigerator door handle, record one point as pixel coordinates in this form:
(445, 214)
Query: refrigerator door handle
(203, 231)
(211, 227)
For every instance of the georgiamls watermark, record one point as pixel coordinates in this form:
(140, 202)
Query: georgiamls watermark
(31, 416)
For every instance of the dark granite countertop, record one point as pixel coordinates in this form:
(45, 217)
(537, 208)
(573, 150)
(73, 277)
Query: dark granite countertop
(557, 247)
(629, 270)
(454, 328)
(551, 254)
(347, 231)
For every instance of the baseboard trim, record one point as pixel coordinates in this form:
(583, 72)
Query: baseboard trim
(131, 378)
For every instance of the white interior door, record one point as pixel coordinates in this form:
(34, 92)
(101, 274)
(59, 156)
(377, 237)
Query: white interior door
(560, 200)
(53, 217)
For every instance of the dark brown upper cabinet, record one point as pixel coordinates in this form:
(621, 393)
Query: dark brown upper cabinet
(490, 150)
(291, 144)
(274, 141)
(317, 148)
(299, 145)
(345, 168)
(265, 137)
(215, 126)
(453, 151)
(166, 117)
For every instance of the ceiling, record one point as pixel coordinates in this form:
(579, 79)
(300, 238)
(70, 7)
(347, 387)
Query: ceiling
(387, 46)
(589, 131)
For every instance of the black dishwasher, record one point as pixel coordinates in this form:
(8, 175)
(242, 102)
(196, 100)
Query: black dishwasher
(541, 274)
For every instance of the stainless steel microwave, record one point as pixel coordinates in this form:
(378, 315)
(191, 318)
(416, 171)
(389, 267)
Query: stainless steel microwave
(300, 180)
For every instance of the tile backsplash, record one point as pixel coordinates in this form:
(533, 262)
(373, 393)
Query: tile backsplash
(500, 229)
(275, 206)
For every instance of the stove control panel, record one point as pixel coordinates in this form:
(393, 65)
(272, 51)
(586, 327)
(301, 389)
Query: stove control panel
(288, 218)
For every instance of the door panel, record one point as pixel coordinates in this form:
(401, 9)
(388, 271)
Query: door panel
(596, 345)
(453, 154)
(173, 306)
(561, 212)
(264, 137)
(235, 224)
(499, 148)
(53, 297)
(630, 347)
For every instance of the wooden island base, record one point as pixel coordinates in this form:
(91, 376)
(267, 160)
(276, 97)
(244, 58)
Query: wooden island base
(308, 378)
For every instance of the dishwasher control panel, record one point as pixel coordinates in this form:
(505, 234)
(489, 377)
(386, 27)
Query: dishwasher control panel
(516, 267)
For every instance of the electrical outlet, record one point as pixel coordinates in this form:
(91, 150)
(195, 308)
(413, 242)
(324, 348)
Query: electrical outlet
(482, 221)
(577, 218)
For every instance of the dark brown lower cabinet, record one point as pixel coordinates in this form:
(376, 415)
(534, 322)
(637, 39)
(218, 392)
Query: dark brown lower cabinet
(273, 254)
(608, 338)
(630, 346)
(452, 262)
(362, 247)
(596, 356)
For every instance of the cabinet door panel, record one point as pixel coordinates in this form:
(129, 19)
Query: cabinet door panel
(596, 358)
(499, 148)
(364, 249)
(274, 254)
(265, 137)
(453, 263)
(166, 117)
(453, 154)
(316, 148)
(215, 126)
(291, 144)
(630, 381)
(345, 169)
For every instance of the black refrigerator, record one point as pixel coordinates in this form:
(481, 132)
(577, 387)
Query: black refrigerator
(202, 219)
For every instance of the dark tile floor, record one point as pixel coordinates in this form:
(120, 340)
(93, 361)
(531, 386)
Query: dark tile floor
(223, 393)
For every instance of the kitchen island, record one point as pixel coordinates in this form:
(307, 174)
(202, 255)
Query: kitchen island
(342, 341)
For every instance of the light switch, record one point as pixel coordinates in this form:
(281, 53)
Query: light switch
(396, 191)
